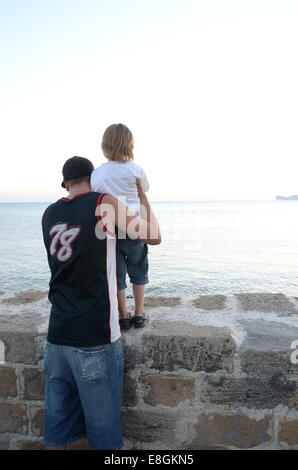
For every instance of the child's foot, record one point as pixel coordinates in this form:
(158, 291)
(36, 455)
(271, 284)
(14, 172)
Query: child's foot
(126, 323)
(139, 321)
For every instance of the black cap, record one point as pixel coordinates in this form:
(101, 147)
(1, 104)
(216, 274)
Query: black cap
(76, 167)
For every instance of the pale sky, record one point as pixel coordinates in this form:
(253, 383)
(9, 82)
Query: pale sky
(209, 89)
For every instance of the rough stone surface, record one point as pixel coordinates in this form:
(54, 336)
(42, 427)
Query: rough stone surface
(227, 363)
(37, 421)
(177, 345)
(13, 418)
(161, 302)
(132, 355)
(238, 431)
(25, 297)
(266, 302)
(129, 391)
(4, 443)
(81, 444)
(39, 349)
(24, 322)
(266, 347)
(288, 432)
(145, 426)
(34, 381)
(210, 302)
(19, 347)
(30, 444)
(252, 392)
(293, 402)
(8, 382)
(168, 390)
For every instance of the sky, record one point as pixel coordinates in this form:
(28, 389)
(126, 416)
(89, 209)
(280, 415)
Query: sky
(207, 87)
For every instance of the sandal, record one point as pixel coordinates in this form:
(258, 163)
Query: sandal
(139, 321)
(125, 323)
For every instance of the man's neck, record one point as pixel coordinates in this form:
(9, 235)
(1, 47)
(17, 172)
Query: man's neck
(78, 189)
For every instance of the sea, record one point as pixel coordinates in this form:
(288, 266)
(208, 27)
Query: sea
(207, 248)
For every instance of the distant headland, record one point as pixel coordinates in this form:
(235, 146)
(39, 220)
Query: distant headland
(287, 198)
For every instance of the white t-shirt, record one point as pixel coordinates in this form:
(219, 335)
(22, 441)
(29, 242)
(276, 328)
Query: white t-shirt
(119, 180)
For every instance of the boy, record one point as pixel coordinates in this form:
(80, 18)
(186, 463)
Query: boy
(117, 177)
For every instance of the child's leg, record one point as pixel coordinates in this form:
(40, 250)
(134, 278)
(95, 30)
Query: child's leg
(123, 313)
(121, 281)
(137, 269)
(136, 264)
(139, 296)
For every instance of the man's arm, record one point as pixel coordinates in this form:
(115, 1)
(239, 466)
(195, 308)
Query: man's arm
(144, 179)
(144, 227)
(147, 215)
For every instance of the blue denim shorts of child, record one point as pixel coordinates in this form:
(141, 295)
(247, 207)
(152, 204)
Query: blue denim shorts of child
(132, 258)
(83, 395)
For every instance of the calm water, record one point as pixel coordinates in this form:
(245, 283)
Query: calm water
(208, 248)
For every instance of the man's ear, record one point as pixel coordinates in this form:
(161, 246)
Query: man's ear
(66, 186)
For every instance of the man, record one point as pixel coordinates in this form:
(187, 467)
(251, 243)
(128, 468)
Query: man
(83, 354)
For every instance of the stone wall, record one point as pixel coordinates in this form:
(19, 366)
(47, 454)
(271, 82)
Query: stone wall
(217, 372)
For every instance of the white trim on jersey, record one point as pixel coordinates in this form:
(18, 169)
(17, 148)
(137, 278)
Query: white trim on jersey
(112, 287)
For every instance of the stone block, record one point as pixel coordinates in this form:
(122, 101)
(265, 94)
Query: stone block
(151, 302)
(39, 350)
(251, 392)
(4, 443)
(34, 381)
(266, 302)
(147, 427)
(37, 421)
(133, 355)
(129, 391)
(19, 347)
(24, 322)
(168, 390)
(177, 345)
(8, 382)
(30, 444)
(288, 432)
(13, 418)
(210, 302)
(293, 403)
(18, 333)
(238, 430)
(266, 347)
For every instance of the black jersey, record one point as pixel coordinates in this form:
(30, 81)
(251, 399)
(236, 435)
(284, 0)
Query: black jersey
(83, 285)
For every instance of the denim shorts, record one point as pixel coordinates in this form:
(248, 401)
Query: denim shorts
(132, 258)
(83, 395)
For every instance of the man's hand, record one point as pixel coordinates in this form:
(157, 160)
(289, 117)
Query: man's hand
(145, 227)
(141, 192)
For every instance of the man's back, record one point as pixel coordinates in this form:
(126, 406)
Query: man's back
(83, 288)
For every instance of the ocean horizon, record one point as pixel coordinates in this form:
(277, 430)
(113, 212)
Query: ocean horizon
(209, 247)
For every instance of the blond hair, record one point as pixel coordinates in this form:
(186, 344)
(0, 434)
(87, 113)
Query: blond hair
(117, 143)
